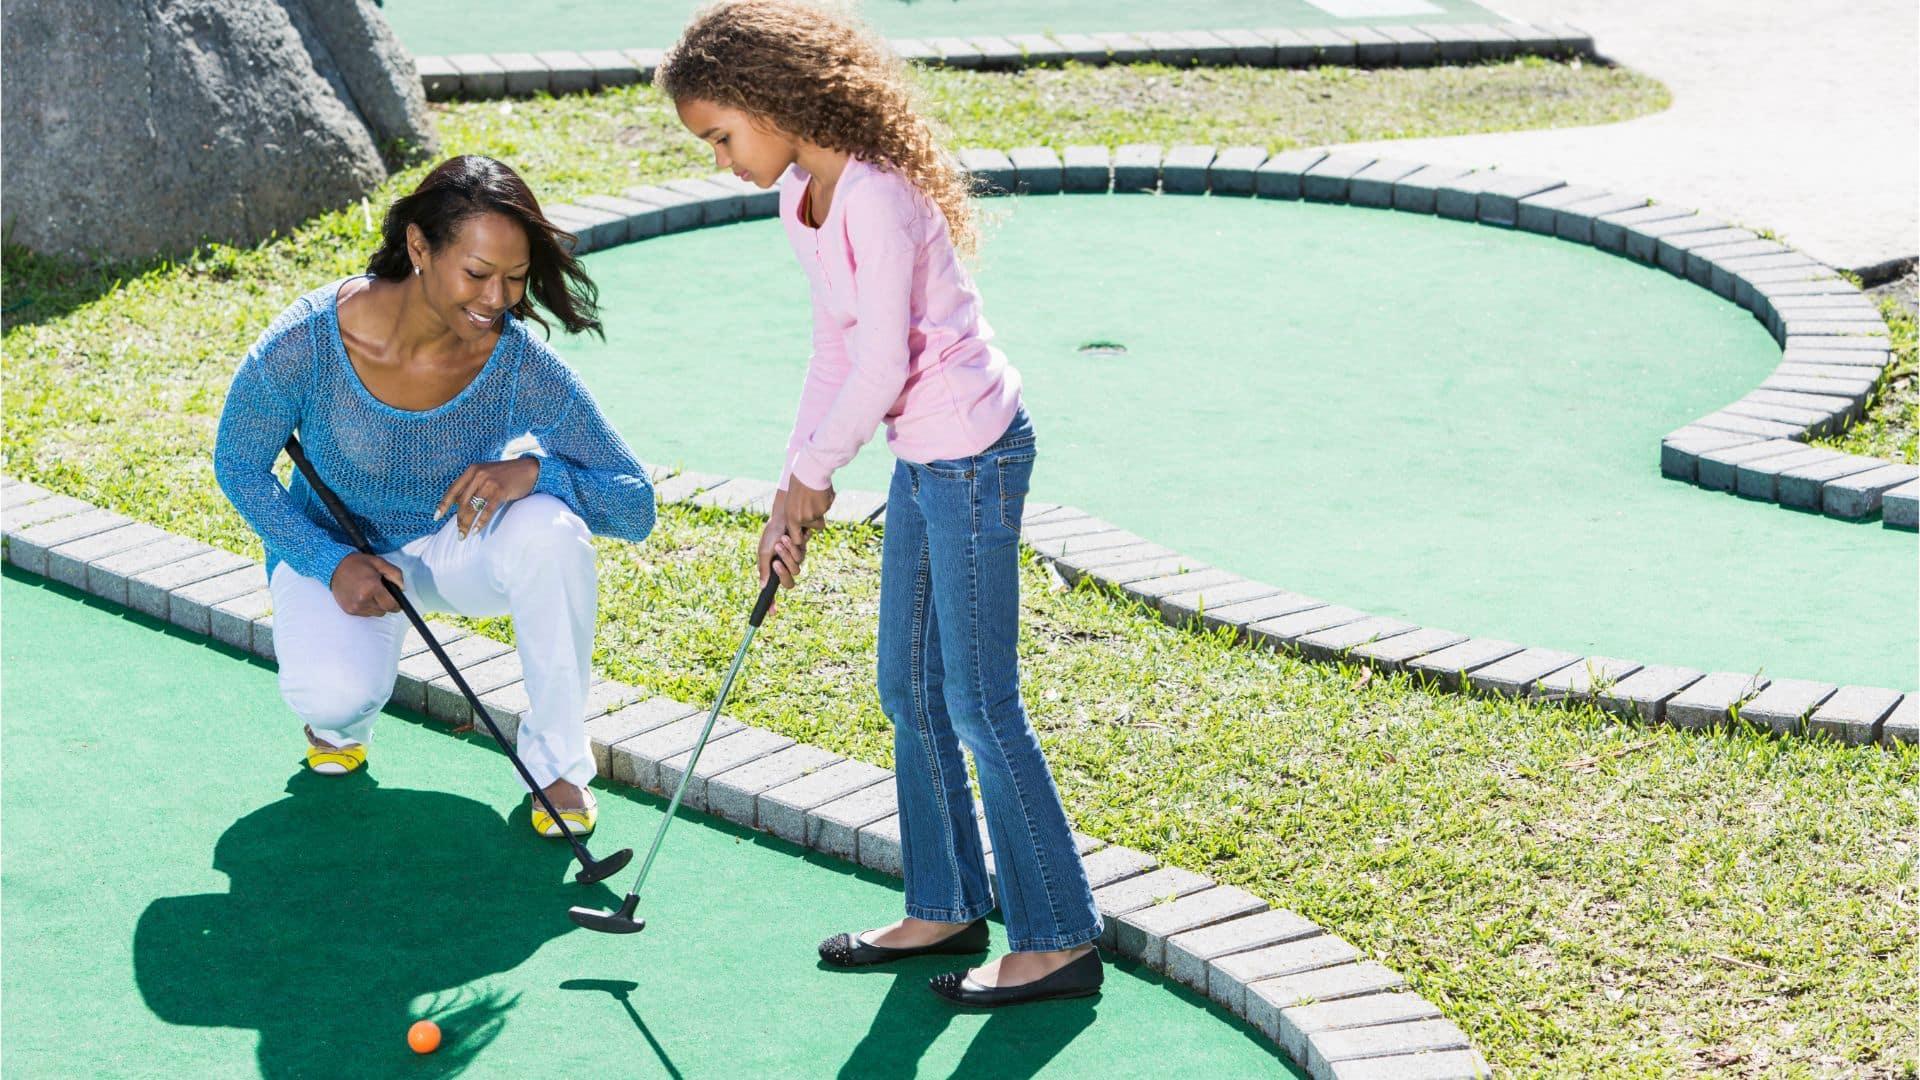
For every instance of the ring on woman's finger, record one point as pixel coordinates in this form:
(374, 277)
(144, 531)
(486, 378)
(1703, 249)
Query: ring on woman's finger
(478, 503)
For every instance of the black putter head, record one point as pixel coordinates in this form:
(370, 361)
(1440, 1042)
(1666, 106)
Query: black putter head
(601, 869)
(609, 922)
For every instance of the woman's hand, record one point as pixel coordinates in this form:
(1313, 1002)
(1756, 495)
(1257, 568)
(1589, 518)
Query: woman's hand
(495, 484)
(806, 508)
(357, 585)
(774, 540)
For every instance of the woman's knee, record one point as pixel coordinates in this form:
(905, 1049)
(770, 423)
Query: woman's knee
(541, 531)
(331, 696)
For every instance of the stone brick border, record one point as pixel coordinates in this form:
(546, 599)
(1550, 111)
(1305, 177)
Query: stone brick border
(1312, 993)
(1835, 346)
(479, 76)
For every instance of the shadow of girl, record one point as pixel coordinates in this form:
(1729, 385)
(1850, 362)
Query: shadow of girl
(347, 902)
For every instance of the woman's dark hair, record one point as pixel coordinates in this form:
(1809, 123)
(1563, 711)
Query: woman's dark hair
(468, 186)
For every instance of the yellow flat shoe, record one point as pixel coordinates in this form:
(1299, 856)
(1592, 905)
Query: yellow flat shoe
(336, 760)
(581, 821)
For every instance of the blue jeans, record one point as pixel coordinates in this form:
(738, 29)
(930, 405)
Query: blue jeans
(949, 677)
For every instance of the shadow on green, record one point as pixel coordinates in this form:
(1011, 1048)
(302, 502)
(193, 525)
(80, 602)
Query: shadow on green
(349, 901)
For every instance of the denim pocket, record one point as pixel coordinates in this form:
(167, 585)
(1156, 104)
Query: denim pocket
(1015, 471)
(951, 468)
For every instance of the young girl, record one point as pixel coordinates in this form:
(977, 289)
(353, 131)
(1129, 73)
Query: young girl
(407, 385)
(791, 94)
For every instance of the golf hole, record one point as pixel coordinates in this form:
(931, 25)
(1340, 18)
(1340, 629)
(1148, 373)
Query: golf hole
(1102, 348)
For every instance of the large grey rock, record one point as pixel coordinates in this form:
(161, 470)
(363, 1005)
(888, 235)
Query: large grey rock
(135, 129)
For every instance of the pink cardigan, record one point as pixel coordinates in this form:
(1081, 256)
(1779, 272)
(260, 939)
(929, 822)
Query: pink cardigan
(897, 331)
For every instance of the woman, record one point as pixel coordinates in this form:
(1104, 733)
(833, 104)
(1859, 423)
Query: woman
(407, 385)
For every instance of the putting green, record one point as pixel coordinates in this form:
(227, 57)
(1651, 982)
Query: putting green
(444, 27)
(182, 899)
(1448, 423)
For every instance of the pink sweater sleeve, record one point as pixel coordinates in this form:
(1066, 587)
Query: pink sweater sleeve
(826, 374)
(879, 219)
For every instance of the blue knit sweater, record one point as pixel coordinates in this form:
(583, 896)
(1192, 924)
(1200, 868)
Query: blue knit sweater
(392, 466)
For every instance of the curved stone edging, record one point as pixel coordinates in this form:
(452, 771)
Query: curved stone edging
(1835, 346)
(521, 74)
(1317, 996)
(1773, 284)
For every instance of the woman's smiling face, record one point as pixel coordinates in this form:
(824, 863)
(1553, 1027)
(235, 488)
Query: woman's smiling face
(754, 150)
(480, 274)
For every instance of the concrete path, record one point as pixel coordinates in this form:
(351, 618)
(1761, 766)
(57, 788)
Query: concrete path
(1798, 117)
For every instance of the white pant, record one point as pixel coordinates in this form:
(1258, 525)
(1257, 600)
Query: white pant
(534, 561)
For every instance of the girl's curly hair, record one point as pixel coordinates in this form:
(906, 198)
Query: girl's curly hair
(821, 76)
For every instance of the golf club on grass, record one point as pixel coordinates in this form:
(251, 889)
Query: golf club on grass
(623, 921)
(591, 869)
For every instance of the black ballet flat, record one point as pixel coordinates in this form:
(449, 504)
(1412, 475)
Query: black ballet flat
(1079, 978)
(847, 950)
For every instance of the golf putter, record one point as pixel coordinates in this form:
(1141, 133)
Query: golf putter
(591, 869)
(623, 921)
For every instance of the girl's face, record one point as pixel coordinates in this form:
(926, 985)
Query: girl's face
(754, 150)
(481, 273)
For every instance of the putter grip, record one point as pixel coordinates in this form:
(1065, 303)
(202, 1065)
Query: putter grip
(334, 506)
(761, 605)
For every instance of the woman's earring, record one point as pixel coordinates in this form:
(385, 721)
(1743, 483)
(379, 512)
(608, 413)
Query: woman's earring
(416, 269)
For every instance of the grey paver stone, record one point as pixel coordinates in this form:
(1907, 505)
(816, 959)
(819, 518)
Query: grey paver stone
(1853, 713)
(446, 702)
(1394, 652)
(1267, 997)
(421, 668)
(1286, 630)
(834, 827)
(1300, 1025)
(1902, 725)
(480, 77)
(1501, 193)
(526, 75)
(568, 72)
(1447, 665)
(231, 621)
(27, 545)
(1325, 1048)
(635, 756)
(1227, 977)
(1716, 470)
(1707, 702)
(1803, 486)
(1243, 613)
(1514, 676)
(1785, 704)
(1759, 479)
(1163, 885)
(1280, 176)
(1143, 932)
(1646, 693)
(1179, 607)
(1184, 170)
(1038, 169)
(1115, 863)
(1334, 642)
(719, 755)
(732, 794)
(1579, 680)
(1373, 185)
(190, 605)
(108, 576)
(1859, 495)
(1610, 230)
(1231, 172)
(1088, 168)
(1190, 952)
(782, 810)
(1329, 179)
(1416, 191)
(1900, 507)
(68, 563)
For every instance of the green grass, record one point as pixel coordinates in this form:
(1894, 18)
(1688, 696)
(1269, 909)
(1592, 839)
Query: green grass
(1891, 427)
(1584, 898)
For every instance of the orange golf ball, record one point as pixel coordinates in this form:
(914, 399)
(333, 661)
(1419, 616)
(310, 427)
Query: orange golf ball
(424, 1036)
